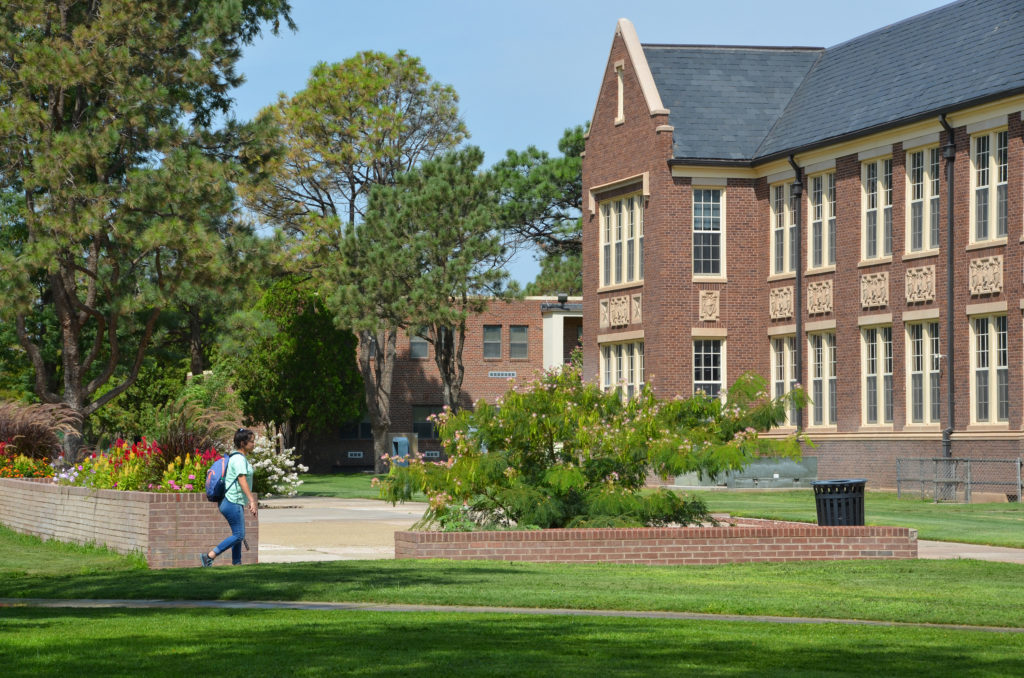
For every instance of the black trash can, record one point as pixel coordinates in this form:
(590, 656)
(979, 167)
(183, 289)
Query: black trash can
(839, 502)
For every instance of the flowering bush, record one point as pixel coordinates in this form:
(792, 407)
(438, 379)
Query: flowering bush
(140, 466)
(185, 475)
(277, 471)
(13, 465)
(561, 453)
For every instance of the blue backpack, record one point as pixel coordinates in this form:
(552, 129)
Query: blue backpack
(215, 488)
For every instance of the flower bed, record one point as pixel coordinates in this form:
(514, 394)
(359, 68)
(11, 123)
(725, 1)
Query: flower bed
(745, 540)
(169, 528)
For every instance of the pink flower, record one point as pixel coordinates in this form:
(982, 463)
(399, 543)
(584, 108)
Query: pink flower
(191, 476)
(189, 486)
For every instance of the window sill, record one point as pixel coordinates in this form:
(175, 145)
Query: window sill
(986, 427)
(921, 255)
(875, 262)
(821, 270)
(493, 360)
(709, 279)
(620, 286)
(922, 428)
(876, 428)
(619, 121)
(781, 276)
(994, 242)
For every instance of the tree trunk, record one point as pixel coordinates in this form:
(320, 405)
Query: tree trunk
(377, 371)
(195, 344)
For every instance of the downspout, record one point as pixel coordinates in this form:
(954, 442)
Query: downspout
(949, 153)
(798, 292)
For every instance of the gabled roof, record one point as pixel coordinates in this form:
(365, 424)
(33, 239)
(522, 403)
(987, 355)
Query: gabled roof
(749, 104)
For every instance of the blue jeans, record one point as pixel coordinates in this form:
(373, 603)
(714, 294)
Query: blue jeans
(234, 514)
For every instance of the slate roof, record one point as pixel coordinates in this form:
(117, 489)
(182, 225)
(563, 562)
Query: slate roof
(754, 104)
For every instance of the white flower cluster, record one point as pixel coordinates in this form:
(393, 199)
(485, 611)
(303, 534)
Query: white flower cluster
(281, 467)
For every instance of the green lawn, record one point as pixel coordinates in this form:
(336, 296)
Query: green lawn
(342, 486)
(993, 524)
(87, 643)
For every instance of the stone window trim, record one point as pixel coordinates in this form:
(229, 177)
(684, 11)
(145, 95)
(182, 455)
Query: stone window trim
(723, 218)
(782, 359)
(876, 199)
(989, 369)
(877, 374)
(923, 379)
(823, 383)
(923, 201)
(989, 186)
(621, 365)
(643, 180)
(704, 346)
(820, 205)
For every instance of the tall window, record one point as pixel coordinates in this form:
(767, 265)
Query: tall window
(923, 194)
(990, 363)
(707, 231)
(823, 220)
(784, 371)
(876, 178)
(823, 379)
(878, 386)
(622, 245)
(923, 354)
(518, 347)
(492, 341)
(989, 168)
(623, 366)
(707, 366)
(417, 346)
(783, 230)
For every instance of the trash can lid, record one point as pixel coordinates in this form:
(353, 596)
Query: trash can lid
(840, 482)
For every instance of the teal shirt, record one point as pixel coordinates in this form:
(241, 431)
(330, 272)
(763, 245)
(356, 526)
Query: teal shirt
(238, 465)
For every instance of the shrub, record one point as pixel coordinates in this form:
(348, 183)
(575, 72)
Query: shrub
(185, 429)
(561, 453)
(36, 431)
(277, 471)
(14, 465)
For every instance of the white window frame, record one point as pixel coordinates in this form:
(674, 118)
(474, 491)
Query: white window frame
(821, 349)
(622, 366)
(716, 344)
(990, 362)
(783, 239)
(989, 172)
(923, 178)
(721, 231)
(924, 372)
(622, 244)
(877, 370)
(783, 360)
(821, 212)
(876, 209)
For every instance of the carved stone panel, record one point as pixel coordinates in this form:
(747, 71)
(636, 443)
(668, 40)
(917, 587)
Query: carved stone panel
(780, 303)
(618, 311)
(920, 284)
(638, 308)
(604, 322)
(819, 297)
(709, 305)
(874, 290)
(986, 276)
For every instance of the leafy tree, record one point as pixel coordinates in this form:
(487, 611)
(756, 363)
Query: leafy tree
(541, 207)
(357, 124)
(435, 228)
(559, 452)
(293, 367)
(105, 130)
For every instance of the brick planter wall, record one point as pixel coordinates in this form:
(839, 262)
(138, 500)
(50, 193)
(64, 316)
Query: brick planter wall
(170, 530)
(747, 541)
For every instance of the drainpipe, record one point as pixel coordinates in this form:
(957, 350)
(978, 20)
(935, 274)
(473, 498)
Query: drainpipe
(798, 292)
(949, 153)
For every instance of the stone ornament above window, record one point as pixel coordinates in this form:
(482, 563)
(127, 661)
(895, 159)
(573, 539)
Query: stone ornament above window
(920, 283)
(986, 276)
(637, 308)
(618, 311)
(874, 290)
(819, 297)
(780, 303)
(709, 305)
(604, 321)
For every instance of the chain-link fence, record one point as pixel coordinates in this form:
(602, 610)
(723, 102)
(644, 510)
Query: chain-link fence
(954, 480)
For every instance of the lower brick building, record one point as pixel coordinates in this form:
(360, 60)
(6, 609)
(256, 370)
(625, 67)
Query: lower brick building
(849, 219)
(510, 340)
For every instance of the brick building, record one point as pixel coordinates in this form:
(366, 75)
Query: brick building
(510, 340)
(787, 211)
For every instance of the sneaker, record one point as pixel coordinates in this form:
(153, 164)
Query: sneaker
(206, 560)
(245, 543)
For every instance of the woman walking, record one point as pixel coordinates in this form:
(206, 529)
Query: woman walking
(237, 498)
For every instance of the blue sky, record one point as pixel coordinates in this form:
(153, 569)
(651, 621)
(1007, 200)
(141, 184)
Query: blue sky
(527, 69)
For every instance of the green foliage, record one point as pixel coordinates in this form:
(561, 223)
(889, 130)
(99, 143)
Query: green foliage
(560, 452)
(291, 365)
(559, 273)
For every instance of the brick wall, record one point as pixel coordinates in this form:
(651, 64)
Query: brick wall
(169, 529)
(749, 541)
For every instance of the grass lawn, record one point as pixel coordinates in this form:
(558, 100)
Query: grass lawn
(342, 486)
(87, 643)
(993, 524)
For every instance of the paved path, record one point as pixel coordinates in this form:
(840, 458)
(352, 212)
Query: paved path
(93, 603)
(296, 529)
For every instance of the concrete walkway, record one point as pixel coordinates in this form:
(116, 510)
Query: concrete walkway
(99, 603)
(297, 529)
